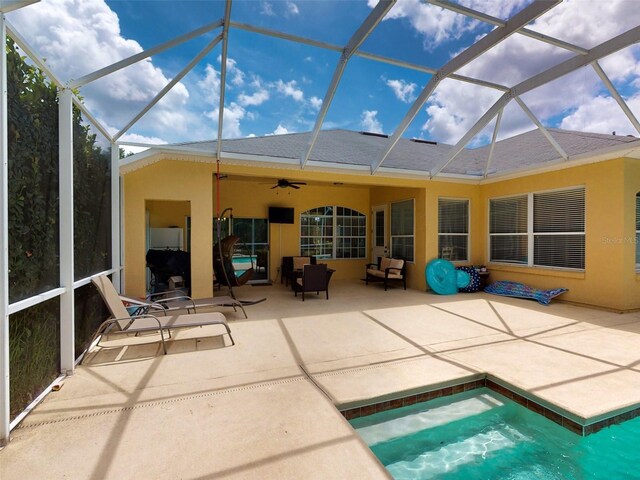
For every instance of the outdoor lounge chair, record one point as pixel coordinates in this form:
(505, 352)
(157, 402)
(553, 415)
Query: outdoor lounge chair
(123, 322)
(387, 270)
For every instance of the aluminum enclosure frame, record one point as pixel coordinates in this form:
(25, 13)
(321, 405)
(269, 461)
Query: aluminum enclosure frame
(515, 25)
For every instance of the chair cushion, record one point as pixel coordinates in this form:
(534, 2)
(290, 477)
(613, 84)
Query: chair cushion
(300, 262)
(380, 273)
(385, 263)
(396, 263)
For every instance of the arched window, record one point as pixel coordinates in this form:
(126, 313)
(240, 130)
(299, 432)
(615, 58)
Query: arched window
(333, 232)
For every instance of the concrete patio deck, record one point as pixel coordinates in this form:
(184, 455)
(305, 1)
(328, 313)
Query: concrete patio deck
(266, 407)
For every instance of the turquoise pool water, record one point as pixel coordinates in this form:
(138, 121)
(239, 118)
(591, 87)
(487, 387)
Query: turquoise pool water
(483, 435)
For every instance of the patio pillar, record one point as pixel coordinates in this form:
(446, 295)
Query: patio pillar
(5, 411)
(67, 311)
(116, 261)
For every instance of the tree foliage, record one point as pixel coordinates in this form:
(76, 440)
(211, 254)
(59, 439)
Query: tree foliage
(33, 196)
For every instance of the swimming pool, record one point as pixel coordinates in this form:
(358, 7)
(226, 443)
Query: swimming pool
(482, 435)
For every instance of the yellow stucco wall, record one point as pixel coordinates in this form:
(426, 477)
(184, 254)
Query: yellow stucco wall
(163, 214)
(600, 284)
(252, 198)
(177, 181)
(609, 279)
(631, 278)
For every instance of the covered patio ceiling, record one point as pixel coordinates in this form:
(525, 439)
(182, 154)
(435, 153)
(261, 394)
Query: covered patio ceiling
(486, 37)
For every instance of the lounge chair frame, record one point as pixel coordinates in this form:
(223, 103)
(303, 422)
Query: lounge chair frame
(126, 324)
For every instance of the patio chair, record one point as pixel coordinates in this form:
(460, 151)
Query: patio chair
(315, 278)
(125, 323)
(387, 270)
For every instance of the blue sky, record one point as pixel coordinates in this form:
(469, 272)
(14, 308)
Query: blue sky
(275, 86)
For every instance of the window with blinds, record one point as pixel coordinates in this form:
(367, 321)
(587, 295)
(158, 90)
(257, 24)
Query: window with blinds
(508, 232)
(453, 229)
(558, 229)
(402, 234)
(333, 232)
(545, 229)
(638, 231)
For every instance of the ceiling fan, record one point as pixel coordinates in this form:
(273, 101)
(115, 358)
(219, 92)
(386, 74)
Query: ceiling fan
(284, 183)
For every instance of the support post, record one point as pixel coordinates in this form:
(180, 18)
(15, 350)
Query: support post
(115, 215)
(67, 310)
(5, 412)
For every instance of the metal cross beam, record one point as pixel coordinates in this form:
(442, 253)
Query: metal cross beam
(369, 24)
(501, 23)
(142, 55)
(223, 75)
(541, 127)
(604, 49)
(362, 54)
(496, 129)
(614, 93)
(487, 42)
(480, 124)
(40, 63)
(169, 86)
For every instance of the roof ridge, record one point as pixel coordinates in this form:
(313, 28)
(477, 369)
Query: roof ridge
(590, 134)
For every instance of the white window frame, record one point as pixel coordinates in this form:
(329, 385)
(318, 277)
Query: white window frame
(335, 236)
(413, 229)
(530, 234)
(468, 234)
(637, 231)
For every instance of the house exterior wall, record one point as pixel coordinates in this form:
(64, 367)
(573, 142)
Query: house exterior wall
(252, 198)
(602, 281)
(609, 279)
(631, 277)
(177, 181)
(164, 214)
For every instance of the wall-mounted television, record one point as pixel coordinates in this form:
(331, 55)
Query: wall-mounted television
(280, 215)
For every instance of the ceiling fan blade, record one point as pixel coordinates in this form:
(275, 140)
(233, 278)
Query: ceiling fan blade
(297, 183)
(294, 186)
(275, 186)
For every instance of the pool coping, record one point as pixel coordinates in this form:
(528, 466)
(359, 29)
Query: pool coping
(579, 426)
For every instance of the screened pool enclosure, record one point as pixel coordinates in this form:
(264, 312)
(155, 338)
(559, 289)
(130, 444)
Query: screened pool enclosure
(60, 188)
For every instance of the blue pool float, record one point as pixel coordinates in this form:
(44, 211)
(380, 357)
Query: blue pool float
(444, 279)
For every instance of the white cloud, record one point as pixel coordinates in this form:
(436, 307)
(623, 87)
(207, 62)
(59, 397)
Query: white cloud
(211, 81)
(232, 116)
(80, 36)
(255, 99)
(369, 121)
(402, 90)
(315, 102)
(290, 89)
(267, 9)
(602, 115)
(453, 110)
(234, 74)
(292, 8)
(280, 130)
(308, 59)
(437, 25)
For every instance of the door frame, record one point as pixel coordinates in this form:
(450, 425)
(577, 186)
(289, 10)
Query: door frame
(379, 250)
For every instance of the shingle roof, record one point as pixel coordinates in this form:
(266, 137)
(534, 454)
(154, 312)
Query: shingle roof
(530, 149)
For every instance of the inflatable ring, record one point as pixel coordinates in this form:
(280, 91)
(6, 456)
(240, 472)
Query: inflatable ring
(443, 278)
